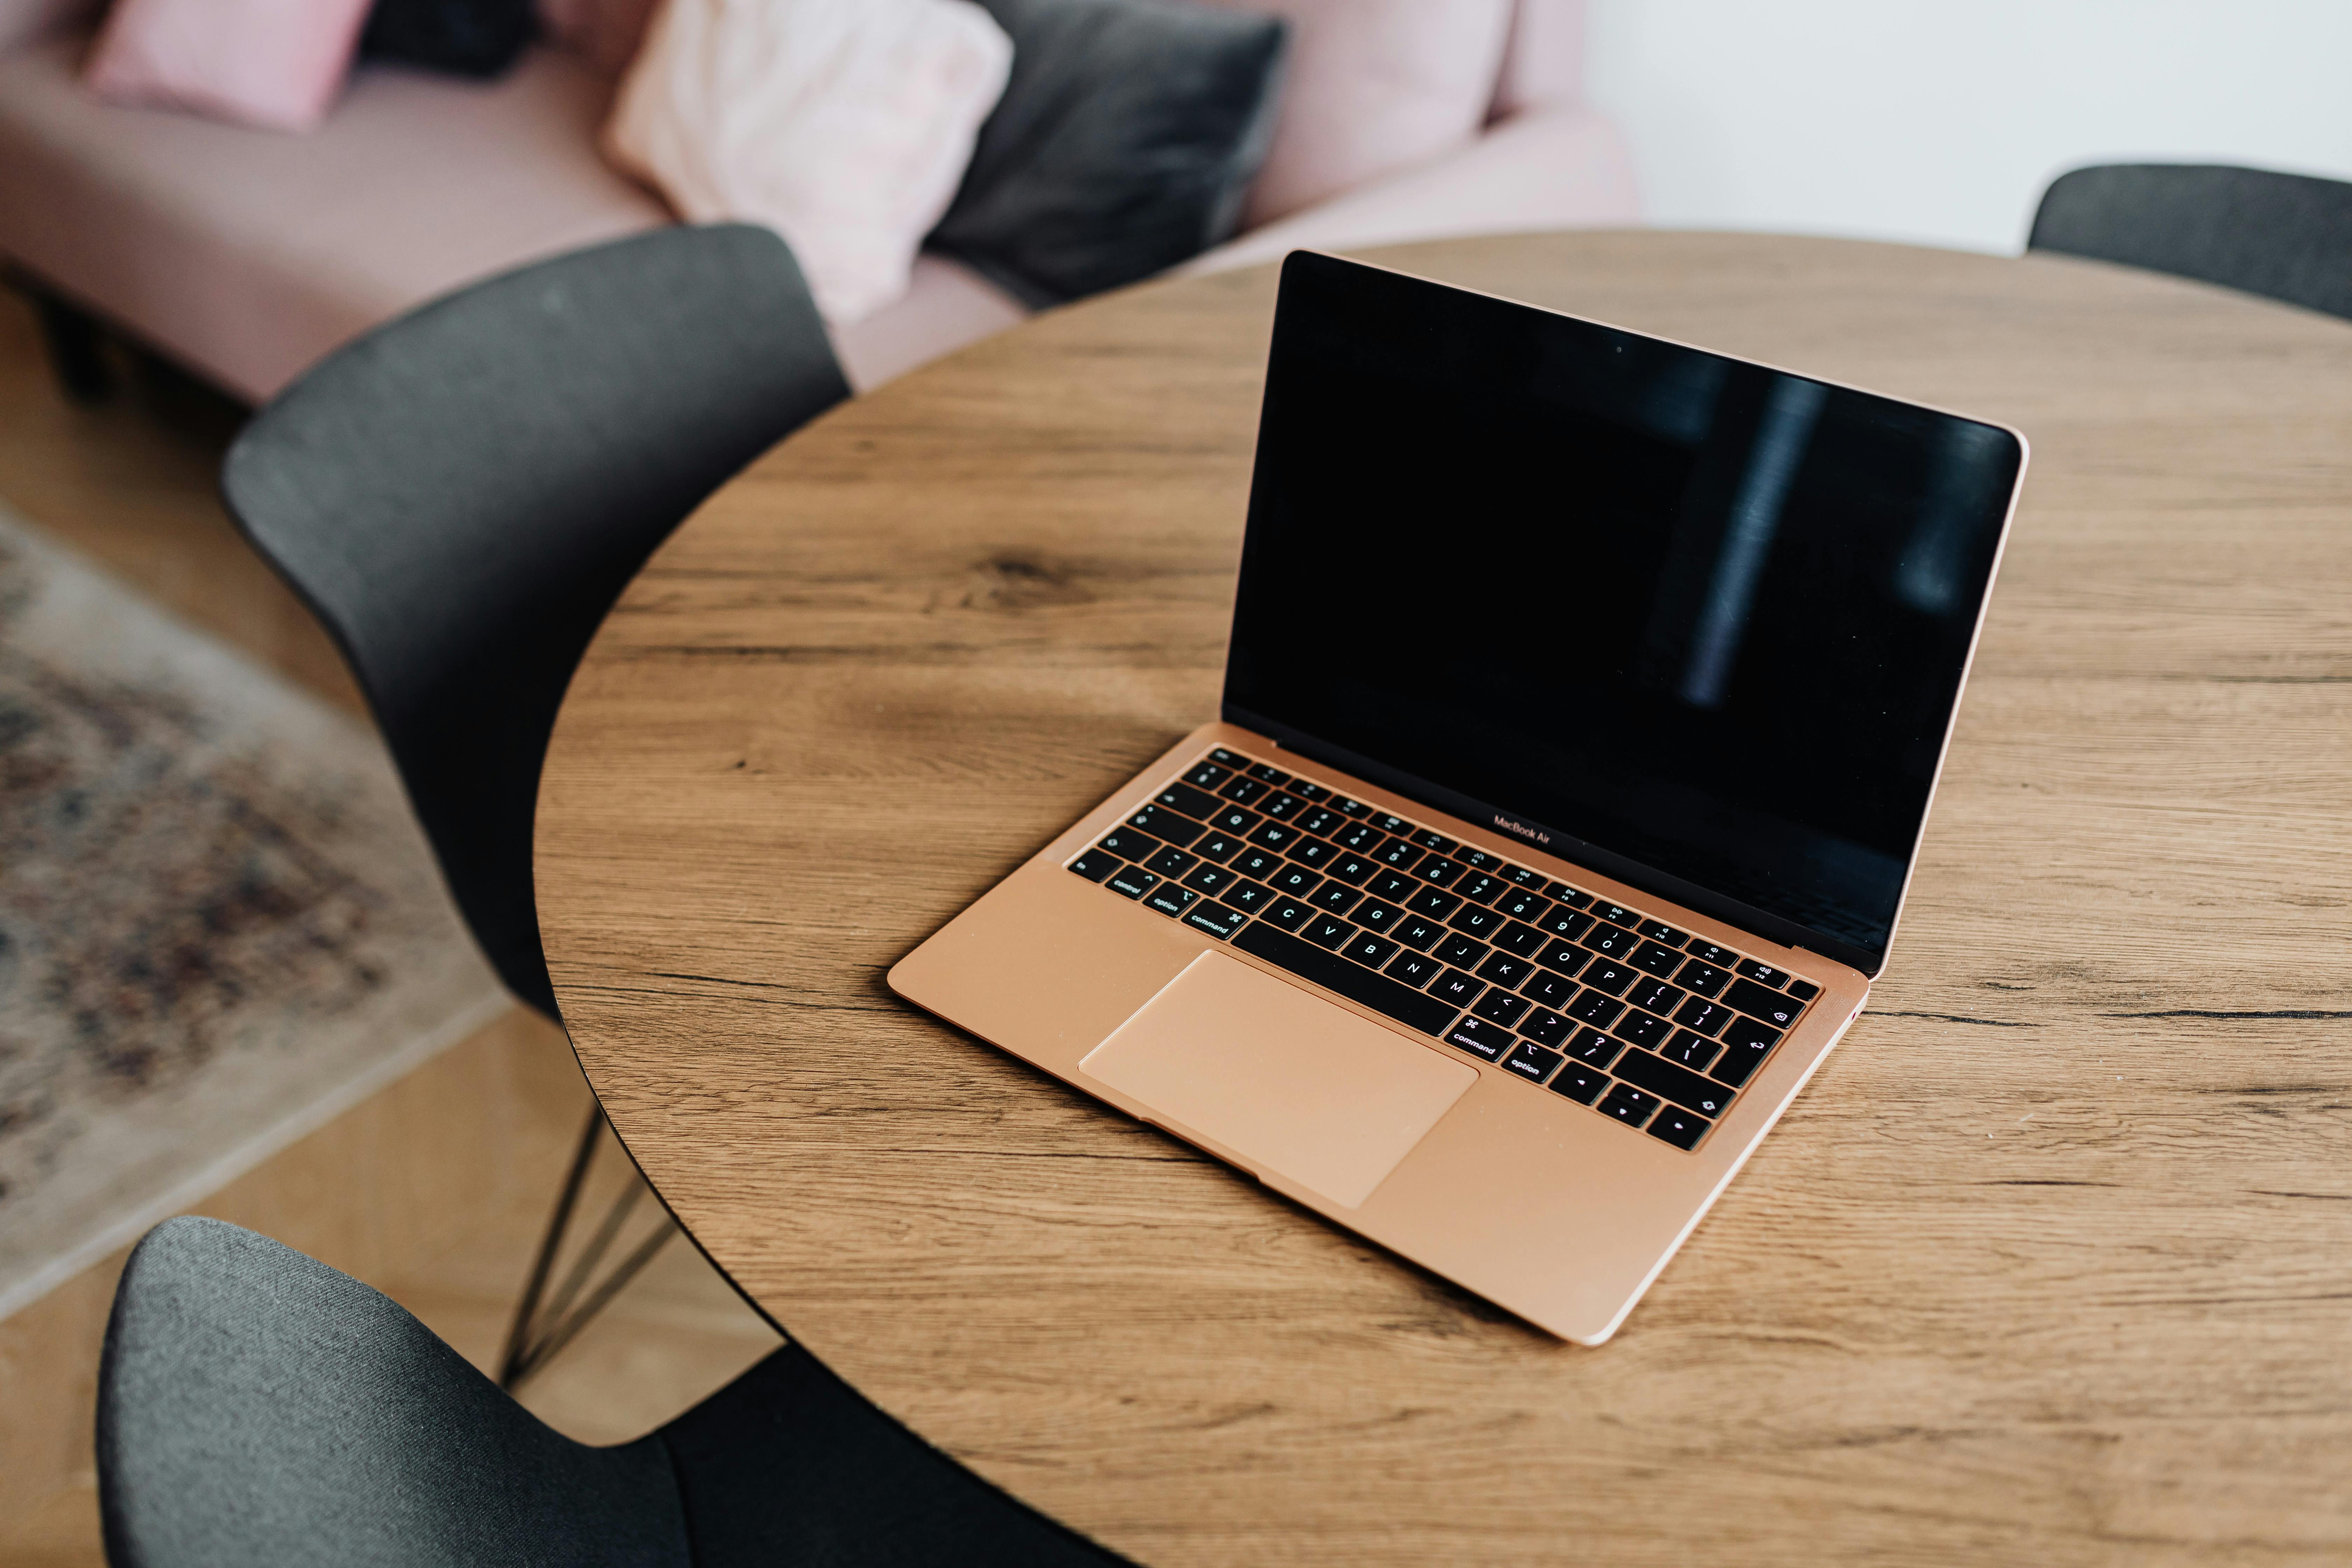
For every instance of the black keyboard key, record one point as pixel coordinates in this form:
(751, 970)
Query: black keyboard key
(1293, 881)
(1704, 1017)
(1478, 859)
(1169, 901)
(1368, 949)
(1481, 1039)
(1393, 887)
(1550, 989)
(1431, 904)
(1547, 1027)
(1388, 822)
(1415, 969)
(1428, 839)
(1337, 898)
(1746, 1044)
(1172, 862)
(1162, 823)
(1462, 952)
(1531, 1062)
(1357, 984)
(1592, 1007)
(1581, 1084)
(1216, 919)
(1776, 1008)
(1274, 835)
(1243, 792)
(1226, 757)
(1679, 1127)
(1399, 855)
(1659, 931)
(1094, 865)
(1234, 822)
(1258, 863)
(1705, 979)
(1129, 843)
(1288, 913)
(1306, 791)
(1657, 958)
(1761, 972)
(1457, 988)
(1684, 1087)
(1707, 952)
(1617, 914)
(1602, 977)
(1190, 801)
(1314, 852)
(1645, 1029)
(1322, 819)
(1438, 872)
(1328, 931)
(1480, 887)
(1347, 807)
(1501, 1006)
(1522, 940)
(1612, 942)
(1563, 893)
(1131, 882)
(1474, 920)
(1378, 916)
(1504, 969)
(1629, 1105)
(1210, 879)
(1217, 848)
(1247, 897)
(1524, 904)
(1686, 1049)
(1593, 1047)
(1208, 775)
(1417, 931)
(1654, 996)
(1563, 922)
(1564, 957)
(1803, 990)
(1352, 870)
(1281, 806)
(1519, 876)
(1266, 772)
(1362, 837)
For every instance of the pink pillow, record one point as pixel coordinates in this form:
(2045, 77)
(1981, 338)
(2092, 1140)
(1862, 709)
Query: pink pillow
(843, 125)
(606, 32)
(1375, 86)
(273, 63)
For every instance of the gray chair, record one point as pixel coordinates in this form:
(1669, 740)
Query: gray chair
(2287, 236)
(259, 1409)
(461, 494)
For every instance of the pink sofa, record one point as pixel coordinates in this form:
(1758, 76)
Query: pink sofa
(245, 254)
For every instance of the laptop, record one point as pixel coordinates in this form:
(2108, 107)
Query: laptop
(1585, 698)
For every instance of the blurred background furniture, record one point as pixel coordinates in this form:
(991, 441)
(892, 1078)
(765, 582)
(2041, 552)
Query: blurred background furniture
(256, 1407)
(461, 494)
(2287, 237)
(245, 254)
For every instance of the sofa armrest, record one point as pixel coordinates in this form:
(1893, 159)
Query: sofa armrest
(1549, 168)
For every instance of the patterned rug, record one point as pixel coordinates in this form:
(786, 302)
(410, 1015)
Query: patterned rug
(219, 925)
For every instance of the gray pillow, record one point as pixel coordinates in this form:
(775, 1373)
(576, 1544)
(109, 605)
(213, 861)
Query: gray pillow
(1124, 142)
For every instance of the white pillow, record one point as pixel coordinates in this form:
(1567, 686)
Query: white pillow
(844, 125)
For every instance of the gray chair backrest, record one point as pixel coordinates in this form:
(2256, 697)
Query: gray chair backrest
(2287, 236)
(462, 493)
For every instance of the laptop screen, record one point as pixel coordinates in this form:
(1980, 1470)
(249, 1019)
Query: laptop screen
(1695, 623)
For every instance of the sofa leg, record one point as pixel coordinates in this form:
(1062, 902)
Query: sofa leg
(77, 346)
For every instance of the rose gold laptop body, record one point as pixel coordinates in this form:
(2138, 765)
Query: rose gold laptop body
(1542, 1205)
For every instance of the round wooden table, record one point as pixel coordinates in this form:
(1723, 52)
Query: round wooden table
(2053, 1262)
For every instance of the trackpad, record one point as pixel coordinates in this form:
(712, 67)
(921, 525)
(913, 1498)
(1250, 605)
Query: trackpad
(1282, 1077)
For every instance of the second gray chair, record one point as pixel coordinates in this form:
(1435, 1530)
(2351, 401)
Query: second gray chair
(2286, 236)
(461, 495)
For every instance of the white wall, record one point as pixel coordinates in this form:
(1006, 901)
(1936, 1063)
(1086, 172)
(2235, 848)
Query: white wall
(1941, 122)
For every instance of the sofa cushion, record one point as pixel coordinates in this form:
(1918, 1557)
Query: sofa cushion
(1375, 86)
(843, 126)
(273, 63)
(1124, 144)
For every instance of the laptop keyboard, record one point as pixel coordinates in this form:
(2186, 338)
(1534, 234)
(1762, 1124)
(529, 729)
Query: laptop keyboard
(1604, 1005)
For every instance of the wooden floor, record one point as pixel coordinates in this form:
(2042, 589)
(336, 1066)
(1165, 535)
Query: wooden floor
(434, 1190)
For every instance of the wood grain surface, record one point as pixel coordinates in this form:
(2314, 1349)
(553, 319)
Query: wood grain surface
(2053, 1262)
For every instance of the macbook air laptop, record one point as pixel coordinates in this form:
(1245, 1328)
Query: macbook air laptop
(1585, 698)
